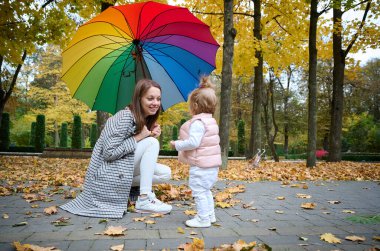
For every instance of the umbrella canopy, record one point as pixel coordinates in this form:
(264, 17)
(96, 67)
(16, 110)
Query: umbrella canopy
(124, 44)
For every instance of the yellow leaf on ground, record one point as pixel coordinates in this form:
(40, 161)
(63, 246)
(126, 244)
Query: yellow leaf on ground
(190, 212)
(280, 198)
(330, 238)
(156, 215)
(117, 247)
(114, 231)
(30, 247)
(279, 212)
(222, 204)
(180, 230)
(50, 210)
(355, 238)
(193, 233)
(376, 238)
(5, 216)
(222, 196)
(303, 196)
(150, 222)
(308, 205)
(348, 211)
(139, 219)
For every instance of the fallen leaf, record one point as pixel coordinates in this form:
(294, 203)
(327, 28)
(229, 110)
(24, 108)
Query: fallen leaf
(235, 215)
(139, 219)
(279, 212)
(280, 198)
(150, 222)
(272, 229)
(326, 212)
(63, 221)
(30, 247)
(103, 221)
(190, 212)
(5, 216)
(254, 220)
(308, 205)
(355, 238)
(35, 206)
(23, 223)
(223, 204)
(114, 231)
(348, 211)
(50, 210)
(193, 233)
(330, 238)
(303, 238)
(180, 230)
(117, 247)
(376, 238)
(156, 215)
(334, 201)
(303, 196)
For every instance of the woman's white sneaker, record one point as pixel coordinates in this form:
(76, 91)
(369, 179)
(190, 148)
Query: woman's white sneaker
(198, 222)
(150, 204)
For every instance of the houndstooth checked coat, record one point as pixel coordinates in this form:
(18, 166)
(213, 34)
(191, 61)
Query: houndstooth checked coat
(110, 173)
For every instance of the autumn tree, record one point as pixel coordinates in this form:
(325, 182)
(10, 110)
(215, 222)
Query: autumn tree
(354, 32)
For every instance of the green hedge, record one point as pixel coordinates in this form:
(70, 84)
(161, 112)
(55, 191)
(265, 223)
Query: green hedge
(76, 139)
(345, 156)
(168, 153)
(39, 143)
(21, 149)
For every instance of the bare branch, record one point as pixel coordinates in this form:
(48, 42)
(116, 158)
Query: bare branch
(282, 27)
(221, 13)
(349, 47)
(356, 5)
(47, 3)
(325, 9)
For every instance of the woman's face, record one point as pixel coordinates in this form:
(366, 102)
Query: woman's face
(151, 101)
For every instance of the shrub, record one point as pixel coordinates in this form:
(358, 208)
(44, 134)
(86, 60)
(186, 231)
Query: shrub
(39, 143)
(63, 136)
(32, 138)
(76, 139)
(93, 134)
(175, 133)
(5, 132)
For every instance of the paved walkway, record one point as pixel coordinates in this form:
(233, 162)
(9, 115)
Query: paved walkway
(278, 223)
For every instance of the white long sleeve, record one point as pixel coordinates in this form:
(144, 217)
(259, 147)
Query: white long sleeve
(196, 132)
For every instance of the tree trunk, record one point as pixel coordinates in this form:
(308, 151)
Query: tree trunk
(101, 117)
(225, 95)
(255, 141)
(56, 133)
(338, 80)
(269, 101)
(312, 86)
(5, 93)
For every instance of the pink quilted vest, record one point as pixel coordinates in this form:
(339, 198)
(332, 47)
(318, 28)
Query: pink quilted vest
(208, 152)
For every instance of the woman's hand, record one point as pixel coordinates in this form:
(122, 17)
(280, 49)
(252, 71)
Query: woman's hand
(156, 131)
(143, 134)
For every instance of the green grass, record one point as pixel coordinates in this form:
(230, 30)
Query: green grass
(365, 219)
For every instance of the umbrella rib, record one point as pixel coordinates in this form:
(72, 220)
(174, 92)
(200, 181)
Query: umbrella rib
(126, 21)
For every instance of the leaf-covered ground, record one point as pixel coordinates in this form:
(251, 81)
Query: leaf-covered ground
(31, 174)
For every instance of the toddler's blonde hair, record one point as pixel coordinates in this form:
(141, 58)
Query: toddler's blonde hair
(203, 99)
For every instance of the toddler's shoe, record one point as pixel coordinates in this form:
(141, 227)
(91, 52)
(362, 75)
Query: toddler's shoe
(198, 222)
(212, 217)
(150, 204)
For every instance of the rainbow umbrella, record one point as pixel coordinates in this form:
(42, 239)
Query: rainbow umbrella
(124, 44)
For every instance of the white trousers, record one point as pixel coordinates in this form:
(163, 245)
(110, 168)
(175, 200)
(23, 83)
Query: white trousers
(147, 171)
(201, 181)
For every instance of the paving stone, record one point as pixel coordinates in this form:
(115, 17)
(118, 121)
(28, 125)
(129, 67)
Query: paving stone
(233, 223)
(82, 245)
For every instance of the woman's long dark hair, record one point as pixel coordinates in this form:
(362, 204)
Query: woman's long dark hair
(141, 88)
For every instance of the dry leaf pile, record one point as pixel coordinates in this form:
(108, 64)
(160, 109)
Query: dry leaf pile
(47, 172)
